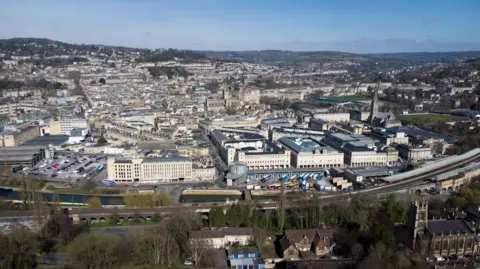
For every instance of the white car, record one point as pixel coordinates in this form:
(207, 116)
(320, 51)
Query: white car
(136, 184)
(187, 263)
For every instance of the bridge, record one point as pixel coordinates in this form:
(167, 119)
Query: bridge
(414, 182)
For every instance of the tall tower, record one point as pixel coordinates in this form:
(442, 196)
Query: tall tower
(417, 219)
(374, 105)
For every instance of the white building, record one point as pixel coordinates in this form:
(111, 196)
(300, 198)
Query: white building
(253, 150)
(157, 170)
(311, 153)
(65, 126)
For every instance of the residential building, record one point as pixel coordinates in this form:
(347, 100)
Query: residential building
(299, 243)
(311, 153)
(218, 238)
(248, 257)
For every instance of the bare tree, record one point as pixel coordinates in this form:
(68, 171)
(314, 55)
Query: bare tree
(196, 248)
(172, 251)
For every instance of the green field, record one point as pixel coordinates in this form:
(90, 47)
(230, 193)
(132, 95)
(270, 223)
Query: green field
(428, 118)
(351, 98)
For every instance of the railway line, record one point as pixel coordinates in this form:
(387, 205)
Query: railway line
(410, 179)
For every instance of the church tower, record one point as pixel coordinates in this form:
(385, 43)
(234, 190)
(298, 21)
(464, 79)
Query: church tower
(374, 106)
(417, 219)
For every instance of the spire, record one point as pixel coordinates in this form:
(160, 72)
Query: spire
(374, 105)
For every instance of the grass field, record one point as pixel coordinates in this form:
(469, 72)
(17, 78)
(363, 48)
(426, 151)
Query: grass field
(428, 118)
(351, 98)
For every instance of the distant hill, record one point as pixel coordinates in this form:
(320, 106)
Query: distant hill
(47, 47)
(350, 61)
(429, 57)
(297, 58)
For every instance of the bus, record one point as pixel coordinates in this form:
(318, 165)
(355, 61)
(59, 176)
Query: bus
(100, 168)
(108, 182)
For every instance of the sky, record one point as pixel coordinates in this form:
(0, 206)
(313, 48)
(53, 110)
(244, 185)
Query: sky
(358, 26)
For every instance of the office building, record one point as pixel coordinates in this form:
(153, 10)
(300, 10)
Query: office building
(253, 150)
(15, 135)
(153, 170)
(311, 153)
(65, 126)
(360, 151)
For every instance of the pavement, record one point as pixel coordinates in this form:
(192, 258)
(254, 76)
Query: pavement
(63, 168)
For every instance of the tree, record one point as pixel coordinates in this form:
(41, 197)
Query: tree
(102, 140)
(357, 252)
(96, 251)
(196, 248)
(102, 81)
(18, 248)
(180, 225)
(94, 202)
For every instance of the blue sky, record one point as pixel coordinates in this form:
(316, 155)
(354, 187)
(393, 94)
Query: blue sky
(360, 26)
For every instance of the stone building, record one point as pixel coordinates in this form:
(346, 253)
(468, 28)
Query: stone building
(440, 237)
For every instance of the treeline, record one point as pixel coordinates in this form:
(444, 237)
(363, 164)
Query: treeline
(465, 144)
(40, 83)
(466, 197)
(159, 247)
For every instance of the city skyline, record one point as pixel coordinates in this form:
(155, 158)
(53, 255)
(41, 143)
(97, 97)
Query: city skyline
(350, 26)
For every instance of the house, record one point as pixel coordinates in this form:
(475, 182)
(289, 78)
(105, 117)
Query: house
(245, 258)
(247, 263)
(222, 237)
(239, 253)
(296, 243)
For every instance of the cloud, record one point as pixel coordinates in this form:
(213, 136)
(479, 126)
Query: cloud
(432, 20)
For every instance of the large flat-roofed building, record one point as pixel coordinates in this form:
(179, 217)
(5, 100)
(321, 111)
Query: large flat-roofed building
(27, 156)
(228, 121)
(334, 117)
(311, 153)
(279, 132)
(176, 169)
(253, 150)
(360, 151)
(270, 123)
(17, 135)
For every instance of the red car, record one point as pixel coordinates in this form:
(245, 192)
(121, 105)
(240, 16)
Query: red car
(126, 185)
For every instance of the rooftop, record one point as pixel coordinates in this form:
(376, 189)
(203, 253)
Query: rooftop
(305, 145)
(55, 140)
(442, 226)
